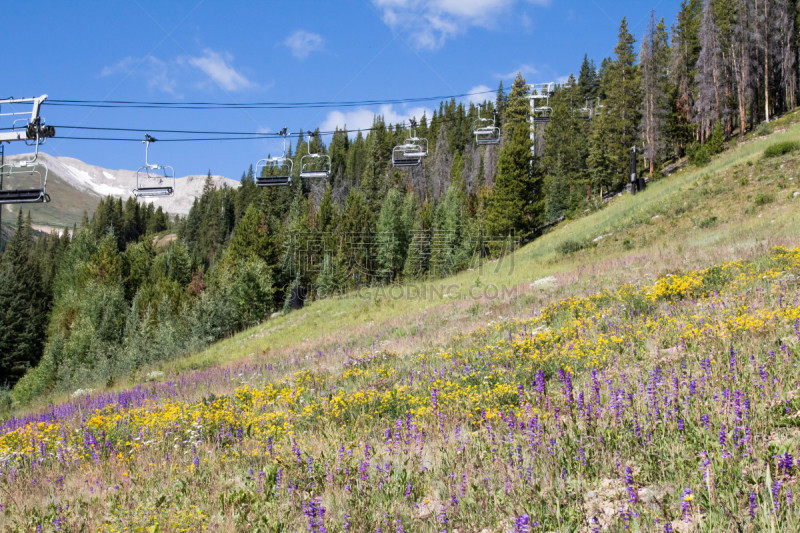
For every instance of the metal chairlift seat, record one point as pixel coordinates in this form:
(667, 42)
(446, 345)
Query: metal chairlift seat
(486, 134)
(151, 178)
(32, 130)
(486, 130)
(542, 114)
(274, 172)
(24, 172)
(315, 166)
(404, 155)
(273, 181)
(416, 147)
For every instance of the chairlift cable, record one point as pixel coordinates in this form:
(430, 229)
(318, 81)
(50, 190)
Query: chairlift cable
(251, 105)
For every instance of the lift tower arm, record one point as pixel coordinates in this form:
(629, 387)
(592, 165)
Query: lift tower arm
(35, 130)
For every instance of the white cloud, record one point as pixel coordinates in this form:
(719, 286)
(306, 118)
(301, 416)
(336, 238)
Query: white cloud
(219, 69)
(301, 43)
(155, 71)
(478, 94)
(362, 118)
(124, 65)
(526, 70)
(431, 22)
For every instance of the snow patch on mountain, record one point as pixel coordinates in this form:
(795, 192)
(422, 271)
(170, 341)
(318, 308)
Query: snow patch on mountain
(102, 182)
(84, 178)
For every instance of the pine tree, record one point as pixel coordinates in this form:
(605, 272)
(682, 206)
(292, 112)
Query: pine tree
(500, 103)
(600, 161)
(253, 238)
(418, 257)
(587, 80)
(354, 239)
(623, 102)
(564, 161)
(326, 222)
(392, 237)
(518, 107)
(515, 201)
(22, 307)
(453, 223)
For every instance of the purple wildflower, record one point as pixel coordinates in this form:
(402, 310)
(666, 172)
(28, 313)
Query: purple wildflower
(686, 504)
(522, 524)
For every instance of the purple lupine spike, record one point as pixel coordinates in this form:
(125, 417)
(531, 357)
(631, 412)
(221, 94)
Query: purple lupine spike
(776, 492)
(686, 504)
(633, 497)
(522, 524)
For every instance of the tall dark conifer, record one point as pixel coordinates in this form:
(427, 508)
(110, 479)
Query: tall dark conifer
(623, 103)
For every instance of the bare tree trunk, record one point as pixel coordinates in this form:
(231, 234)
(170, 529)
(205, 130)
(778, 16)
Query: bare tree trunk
(766, 59)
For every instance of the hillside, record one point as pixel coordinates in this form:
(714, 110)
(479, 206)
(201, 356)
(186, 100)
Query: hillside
(75, 187)
(635, 367)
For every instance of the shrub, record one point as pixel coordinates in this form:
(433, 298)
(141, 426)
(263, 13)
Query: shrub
(763, 129)
(698, 154)
(763, 198)
(571, 246)
(707, 222)
(716, 143)
(781, 148)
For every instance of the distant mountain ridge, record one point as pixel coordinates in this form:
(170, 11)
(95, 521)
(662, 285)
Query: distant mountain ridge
(75, 186)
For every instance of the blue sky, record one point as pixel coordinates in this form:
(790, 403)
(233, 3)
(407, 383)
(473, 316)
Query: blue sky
(282, 51)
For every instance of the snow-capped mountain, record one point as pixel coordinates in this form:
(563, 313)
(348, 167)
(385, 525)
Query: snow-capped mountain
(75, 187)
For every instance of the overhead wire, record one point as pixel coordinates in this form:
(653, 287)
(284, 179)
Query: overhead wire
(222, 135)
(252, 105)
(230, 135)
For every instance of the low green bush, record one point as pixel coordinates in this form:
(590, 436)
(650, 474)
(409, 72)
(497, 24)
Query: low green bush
(571, 246)
(781, 148)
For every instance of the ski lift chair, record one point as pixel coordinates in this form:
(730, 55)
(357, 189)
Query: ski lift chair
(486, 130)
(29, 171)
(315, 165)
(153, 180)
(407, 155)
(275, 171)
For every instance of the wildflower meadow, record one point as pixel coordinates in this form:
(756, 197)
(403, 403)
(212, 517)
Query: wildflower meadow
(672, 406)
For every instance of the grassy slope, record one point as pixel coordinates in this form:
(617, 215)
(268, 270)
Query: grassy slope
(680, 204)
